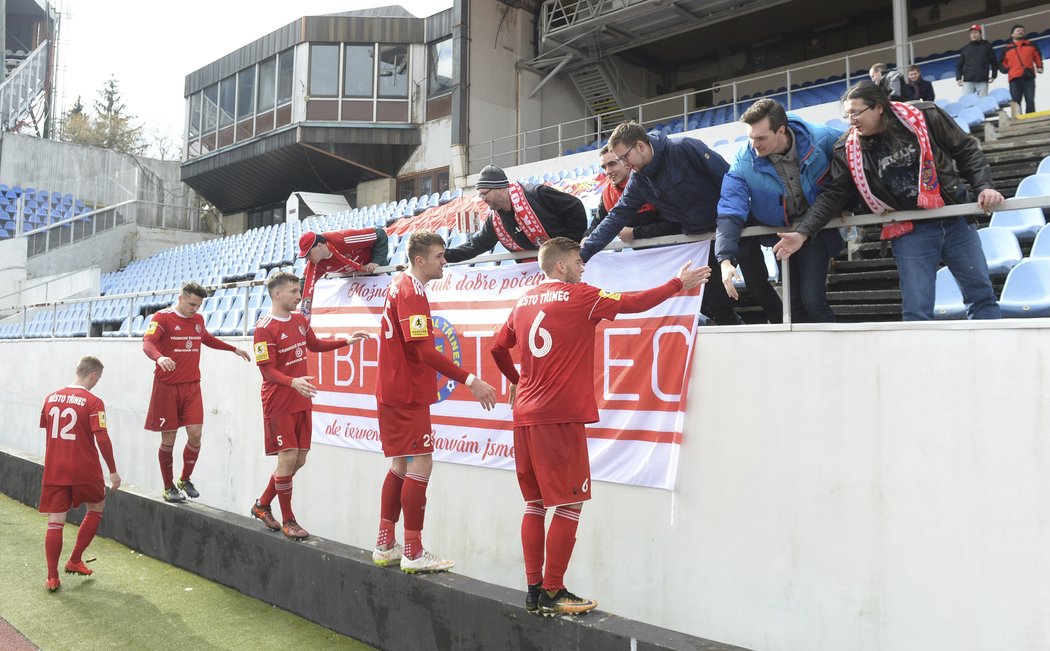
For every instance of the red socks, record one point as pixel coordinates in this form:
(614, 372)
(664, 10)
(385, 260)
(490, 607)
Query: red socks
(560, 540)
(269, 493)
(283, 486)
(165, 458)
(53, 548)
(390, 509)
(532, 524)
(189, 460)
(85, 534)
(414, 502)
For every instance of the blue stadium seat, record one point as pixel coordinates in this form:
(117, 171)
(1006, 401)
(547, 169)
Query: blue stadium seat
(972, 115)
(948, 301)
(1041, 246)
(1024, 223)
(1027, 290)
(232, 324)
(1001, 250)
(963, 124)
(988, 105)
(1044, 166)
(969, 99)
(1001, 95)
(1036, 185)
(941, 102)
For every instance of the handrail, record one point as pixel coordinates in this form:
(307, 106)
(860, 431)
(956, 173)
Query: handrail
(22, 86)
(581, 129)
(955, 210)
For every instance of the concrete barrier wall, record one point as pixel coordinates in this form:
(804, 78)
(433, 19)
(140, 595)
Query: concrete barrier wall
(844, 487)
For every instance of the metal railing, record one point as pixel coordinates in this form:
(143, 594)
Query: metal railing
(144, 213)
(22, 86)
(543, 143)
(136, 308)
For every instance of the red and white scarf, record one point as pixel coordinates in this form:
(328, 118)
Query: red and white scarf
(528, 222)
(929, 189)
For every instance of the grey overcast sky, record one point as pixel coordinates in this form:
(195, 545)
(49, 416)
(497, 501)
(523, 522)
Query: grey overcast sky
(150, 47)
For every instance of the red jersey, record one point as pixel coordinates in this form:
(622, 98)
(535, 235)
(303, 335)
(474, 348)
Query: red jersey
(404, 379)
(351, 250)
(555, 323)
(73, 418)
(282, 345)
(170, 334)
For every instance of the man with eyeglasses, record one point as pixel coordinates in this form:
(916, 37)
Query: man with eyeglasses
(523, 216)
(646, 223)
(909, 156)
(682, 178)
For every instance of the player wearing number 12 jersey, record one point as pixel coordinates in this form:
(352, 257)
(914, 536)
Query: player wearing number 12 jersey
(407, 387)
(282, 338)
(74, 420)
(553, 397)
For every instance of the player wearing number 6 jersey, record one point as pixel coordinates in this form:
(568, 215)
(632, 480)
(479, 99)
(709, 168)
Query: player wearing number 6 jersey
(407, 388)
(553, 397)
(282, 338)
(74, 420)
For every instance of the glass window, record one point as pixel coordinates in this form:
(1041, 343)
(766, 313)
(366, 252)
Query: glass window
(195, 115)
(245, 93)
(358, 70)
(285, 72)
(393, 71)
(211, 107)
(324, 70)
(267, 81)
(439, 67)
(227, 100)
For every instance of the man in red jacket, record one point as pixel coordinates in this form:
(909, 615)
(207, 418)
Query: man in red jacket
(361, 249)
(1021, 61)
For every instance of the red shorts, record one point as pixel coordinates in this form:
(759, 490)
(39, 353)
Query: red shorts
(59, 499)
(289, 432)
(405, 431)
(552, 463)
(172, 406)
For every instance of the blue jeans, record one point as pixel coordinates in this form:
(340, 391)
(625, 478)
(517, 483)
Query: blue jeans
(809, 277)
(955, 242)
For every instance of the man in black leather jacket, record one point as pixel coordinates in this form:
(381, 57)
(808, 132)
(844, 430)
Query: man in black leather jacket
(892, 156)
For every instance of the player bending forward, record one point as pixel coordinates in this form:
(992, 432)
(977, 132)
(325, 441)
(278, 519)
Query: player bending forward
(552, 399)
(74, 420)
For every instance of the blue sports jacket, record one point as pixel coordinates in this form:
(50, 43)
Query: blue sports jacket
(752, 186)
(682, 181)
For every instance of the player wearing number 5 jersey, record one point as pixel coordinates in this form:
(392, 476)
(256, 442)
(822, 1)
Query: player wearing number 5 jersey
(407, 388)
(553, 397)
(282, 339)
(74, 421)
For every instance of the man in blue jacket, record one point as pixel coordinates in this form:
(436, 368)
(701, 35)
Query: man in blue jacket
(682, 179)
(775, 178)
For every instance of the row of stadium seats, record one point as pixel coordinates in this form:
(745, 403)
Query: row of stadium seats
(39, 208)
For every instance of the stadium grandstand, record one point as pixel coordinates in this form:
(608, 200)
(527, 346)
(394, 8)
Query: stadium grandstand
(866, 484)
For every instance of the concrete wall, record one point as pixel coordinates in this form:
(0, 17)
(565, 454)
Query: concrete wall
(370, 193)
(12, 265)
(840, 487)
(436, 136)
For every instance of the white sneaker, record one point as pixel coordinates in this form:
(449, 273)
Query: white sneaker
(388, 557)
(426, 562)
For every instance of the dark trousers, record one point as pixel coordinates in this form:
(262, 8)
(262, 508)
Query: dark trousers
(717, 305)
(1023, 87)
(809, 277)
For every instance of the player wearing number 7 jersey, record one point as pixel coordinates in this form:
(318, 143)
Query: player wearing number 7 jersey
(553, 397)
(74, 420)
(407, 387)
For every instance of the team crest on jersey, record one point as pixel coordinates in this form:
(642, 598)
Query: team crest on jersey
(102, 419)
(614, 296)
(298, 351)
(302, 330)
(446, 339)
(151, 328)
(199, 328)
(189, 344)
(417, 326)
(262, 352)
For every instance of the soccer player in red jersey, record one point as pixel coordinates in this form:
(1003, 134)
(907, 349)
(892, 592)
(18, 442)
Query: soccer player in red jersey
(552, 399)
(354, 249)
(407, 387)
(282, 338)
(74, 420)
(173, 340)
